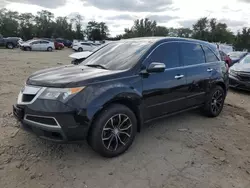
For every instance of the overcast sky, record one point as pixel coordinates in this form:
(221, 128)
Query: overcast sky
(119, 14)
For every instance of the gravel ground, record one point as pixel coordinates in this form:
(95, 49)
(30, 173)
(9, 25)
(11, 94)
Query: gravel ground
(183, 151)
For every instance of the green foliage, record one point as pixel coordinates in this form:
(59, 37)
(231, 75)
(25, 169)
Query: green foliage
(44, 24)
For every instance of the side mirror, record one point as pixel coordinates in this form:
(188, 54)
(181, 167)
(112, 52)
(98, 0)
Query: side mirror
(156, 67)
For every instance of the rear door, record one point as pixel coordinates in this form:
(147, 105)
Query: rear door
(44, 45)
(164, 92)
(199, 69)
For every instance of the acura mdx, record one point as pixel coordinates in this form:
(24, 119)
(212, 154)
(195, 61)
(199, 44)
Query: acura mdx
(108, 97)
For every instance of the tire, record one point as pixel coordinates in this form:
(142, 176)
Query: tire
(214, 102)
(80, 49)
(111, 141)
(10, 45)
(27, 49)
(49, 49)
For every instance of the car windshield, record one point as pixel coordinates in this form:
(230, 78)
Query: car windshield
(245, 60)
(120, 55)
(236, 55)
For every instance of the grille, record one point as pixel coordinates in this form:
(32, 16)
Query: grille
(42, 120)
(244, 77)
(28, 98)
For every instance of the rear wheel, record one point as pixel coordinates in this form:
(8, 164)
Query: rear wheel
(215, 101)
(9, 45)
(113, 131)
(49, 49)
(80, 49)
(27, 49)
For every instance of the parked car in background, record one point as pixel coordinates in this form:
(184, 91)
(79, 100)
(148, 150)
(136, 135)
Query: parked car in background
(81, 56)
(236, 56)
(239, 74)
(225, 58)
(10, 42)
(38, 45)
(119, 88)
(58, 45)
(66, 43)
(84, 46)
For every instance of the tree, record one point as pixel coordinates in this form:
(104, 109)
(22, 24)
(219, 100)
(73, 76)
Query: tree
(242, 40)
(96, 31)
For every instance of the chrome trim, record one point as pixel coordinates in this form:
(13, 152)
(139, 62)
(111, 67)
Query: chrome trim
(20, 96)
(42, 124)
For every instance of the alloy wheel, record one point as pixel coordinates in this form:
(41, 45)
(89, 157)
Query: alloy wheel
(217, 101)
(117, 132)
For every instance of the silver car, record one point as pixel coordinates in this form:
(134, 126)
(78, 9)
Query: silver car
(38, 45)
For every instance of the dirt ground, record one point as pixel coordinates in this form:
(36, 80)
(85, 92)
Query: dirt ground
(183, 151)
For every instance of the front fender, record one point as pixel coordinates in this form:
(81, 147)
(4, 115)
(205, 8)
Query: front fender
(95, 97)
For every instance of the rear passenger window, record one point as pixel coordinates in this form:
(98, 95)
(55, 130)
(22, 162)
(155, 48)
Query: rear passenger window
(167, 53)
(192, 54)
(210, 57)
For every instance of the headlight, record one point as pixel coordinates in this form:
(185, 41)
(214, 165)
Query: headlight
(61, 94)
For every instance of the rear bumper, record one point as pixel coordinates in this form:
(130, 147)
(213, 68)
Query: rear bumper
(60, 126)
(236, 83)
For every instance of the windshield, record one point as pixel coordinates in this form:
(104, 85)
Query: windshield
(120, 55)
(245, 60)
(236, 55)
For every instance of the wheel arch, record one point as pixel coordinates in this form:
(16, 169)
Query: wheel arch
(131, 103)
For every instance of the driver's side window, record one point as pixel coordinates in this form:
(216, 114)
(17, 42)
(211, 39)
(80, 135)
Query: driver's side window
(167, 53)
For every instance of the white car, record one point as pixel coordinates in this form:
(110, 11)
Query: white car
(84, 46)
(38, 45)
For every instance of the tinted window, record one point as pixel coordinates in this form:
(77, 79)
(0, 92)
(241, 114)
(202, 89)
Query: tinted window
(192, 54)
(35, 42)
(44, 42)
(86, 44)
(210, 57)
(119, 55)
(166, 53)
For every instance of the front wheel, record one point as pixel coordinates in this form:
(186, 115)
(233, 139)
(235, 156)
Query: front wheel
(113, 131)
(49, 49)
(215, 101)
(10, 45)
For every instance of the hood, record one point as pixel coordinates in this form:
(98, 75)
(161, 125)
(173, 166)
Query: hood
(80, 55)
(241, 67)
(70, 76)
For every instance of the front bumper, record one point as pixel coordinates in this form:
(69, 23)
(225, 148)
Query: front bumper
(52, 120)
(239, 84)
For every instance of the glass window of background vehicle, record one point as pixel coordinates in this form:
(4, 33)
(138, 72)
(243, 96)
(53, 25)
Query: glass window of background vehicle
(210, 56)
(167, 53)
(120, 55)
(245, 60)
(192, 54)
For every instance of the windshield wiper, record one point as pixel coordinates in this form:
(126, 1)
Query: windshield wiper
(96, 66)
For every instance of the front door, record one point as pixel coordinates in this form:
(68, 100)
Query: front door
(35, 45)
(164, 92)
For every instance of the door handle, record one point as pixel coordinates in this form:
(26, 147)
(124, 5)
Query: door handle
(179, 76)
(209, 70)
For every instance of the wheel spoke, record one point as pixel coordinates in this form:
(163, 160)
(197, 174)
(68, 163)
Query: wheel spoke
(117, 142)
(107, 129)
(122, 132)
(123, 122)
(112, 137)
(112, 122)
(126, 128)
(119, 138)
(107, 138)
(119, 122)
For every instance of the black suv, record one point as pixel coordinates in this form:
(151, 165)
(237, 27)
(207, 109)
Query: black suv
(120, 87)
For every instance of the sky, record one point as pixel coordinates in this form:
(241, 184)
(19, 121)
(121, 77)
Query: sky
(119, 14)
